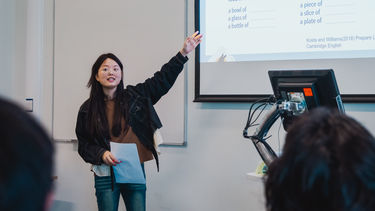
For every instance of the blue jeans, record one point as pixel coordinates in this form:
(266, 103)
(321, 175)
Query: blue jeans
(134, 195)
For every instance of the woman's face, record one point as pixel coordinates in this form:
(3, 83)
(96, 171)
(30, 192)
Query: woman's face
(109, 74)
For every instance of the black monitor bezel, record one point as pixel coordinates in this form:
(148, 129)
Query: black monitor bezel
(323, 80)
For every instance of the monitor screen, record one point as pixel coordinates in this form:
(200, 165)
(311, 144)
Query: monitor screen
(311, 88)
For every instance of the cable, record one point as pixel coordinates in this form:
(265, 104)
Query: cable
(264, 106)
(266, 101)
(249, 117)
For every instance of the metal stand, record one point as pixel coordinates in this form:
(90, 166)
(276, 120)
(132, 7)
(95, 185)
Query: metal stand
(280, 109)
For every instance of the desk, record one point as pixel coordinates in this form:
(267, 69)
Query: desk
(254, 177)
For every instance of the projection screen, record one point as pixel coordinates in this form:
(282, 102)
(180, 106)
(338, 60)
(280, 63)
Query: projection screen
(243, 39)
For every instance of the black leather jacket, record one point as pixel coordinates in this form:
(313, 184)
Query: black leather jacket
(142, 116)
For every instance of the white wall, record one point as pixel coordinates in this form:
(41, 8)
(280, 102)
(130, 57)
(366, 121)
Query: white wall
(6, 43)
(26, 44)
(208, 174)
(13, 45)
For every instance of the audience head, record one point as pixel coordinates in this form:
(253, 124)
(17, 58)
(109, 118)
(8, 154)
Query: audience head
(26, 159)
(328, 163)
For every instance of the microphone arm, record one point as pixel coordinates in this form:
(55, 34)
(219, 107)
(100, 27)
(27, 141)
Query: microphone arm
(279, 109)
(264, 149)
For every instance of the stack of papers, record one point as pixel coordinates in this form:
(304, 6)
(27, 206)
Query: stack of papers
(130, 169)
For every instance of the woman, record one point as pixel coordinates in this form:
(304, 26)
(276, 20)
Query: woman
(113, 113)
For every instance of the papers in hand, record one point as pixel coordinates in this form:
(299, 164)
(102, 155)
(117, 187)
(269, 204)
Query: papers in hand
(129, 170)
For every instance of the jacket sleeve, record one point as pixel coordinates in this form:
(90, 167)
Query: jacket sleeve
(87, 149)
(158, 85)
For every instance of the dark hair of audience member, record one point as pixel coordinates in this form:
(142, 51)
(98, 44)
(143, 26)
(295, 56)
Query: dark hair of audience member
(328, 163)
(26, 158)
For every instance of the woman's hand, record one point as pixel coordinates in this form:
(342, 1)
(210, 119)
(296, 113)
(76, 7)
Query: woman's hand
(191, 43)
(109, 159)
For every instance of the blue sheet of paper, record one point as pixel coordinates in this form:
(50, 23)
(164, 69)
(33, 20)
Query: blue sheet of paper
(130, 169)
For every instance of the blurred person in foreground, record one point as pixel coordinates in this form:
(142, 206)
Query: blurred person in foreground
(327, 163)
(26, 159)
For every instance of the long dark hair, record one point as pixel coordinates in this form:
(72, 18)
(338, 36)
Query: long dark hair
(97, 120)
(328, 163)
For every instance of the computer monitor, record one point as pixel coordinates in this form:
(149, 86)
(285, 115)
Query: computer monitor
(310, 87)
(296, 91)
